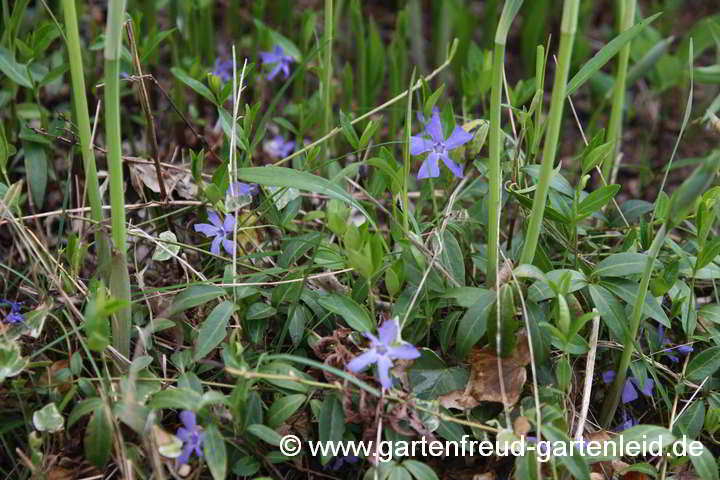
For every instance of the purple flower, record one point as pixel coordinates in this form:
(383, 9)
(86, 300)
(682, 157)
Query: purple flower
(382, 352)
(14, 316)
(223, 69)
(663, 340)
(191, 435)
(236, 189)
(629, 393)
(222, 231)
(278, 147)
(421, 118)
(628, 422)
(439, 147)
(279, 59)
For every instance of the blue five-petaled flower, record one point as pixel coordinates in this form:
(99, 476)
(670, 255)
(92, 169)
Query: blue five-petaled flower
(629, 393)
(438, 148)
(191, 435)
(223, 69)
(279, 59)
(278, 147)
(221, 230)
(241, 189)
(14, 316)
(382, 352)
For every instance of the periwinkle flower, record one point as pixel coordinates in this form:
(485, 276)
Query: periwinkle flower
(382, 352)
(223, 69)
(628, 422)
(681, 349)
(236, 189)
(14, 316)
(629, 393)
(278, 58)
(438, 147)
(278, 147)
(191, 435)
(221, 230)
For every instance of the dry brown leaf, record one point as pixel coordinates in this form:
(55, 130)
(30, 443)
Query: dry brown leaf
(145, 174)
(59, 473)
(484, 383)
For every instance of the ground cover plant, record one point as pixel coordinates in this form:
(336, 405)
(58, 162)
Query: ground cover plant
(224, 225)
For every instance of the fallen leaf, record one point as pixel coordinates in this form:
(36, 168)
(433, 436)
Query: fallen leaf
(484, 382)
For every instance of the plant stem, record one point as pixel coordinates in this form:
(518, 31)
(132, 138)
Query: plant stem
(119, 278)
(613, 398)
(84, 131)
(557, 102)
(510, 9)
(614, 132)
(494, 170)
(333, 167)
(406, 157)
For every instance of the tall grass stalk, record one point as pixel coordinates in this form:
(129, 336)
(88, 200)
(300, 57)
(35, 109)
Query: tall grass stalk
(119, 278)
(557, 103)
(614, 131)
(510, 9)
(82, 115)
(333, 167)
(613, 398)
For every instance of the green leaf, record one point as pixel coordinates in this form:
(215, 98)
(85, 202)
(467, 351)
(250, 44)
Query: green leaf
(605, 54)
(705, 465)
(177, 398)
(98, 437)
(419, 470)
(166, 251)
(596, 156)
(331, 423)
(279, 39)
(48, 419)
(708, 253)
(627, 291)
(194, 296)
(36, 166)
(473, 324)
(430, 377)
(611, 310)
(283, 408)
(288, 177)
(213, 329)
(82, 408)
(596, 200)
(621, 265)
(15, 71)
(703, 364)
(266, 434)
(575, 463)
(215, 452)
(197, 86)
(353, 313)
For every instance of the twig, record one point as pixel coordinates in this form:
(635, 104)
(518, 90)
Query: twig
(589, 371)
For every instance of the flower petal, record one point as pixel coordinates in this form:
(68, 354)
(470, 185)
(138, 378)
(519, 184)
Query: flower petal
(404, 352)
(608, 376)
(229, 246)
(387, 332)
(214, 219)
(429, 167)
(629, 394)
(215, 247)
(188, 419)
(185, 455)
(183, 434)
(457, 138)
(420, 145)
(684, 349)
(383, 370)
(434, 128)
(456, 169)
(647, 387)
(274, 71)
(206, 229)
(229, 223)
(362, 361)
(269, 57)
